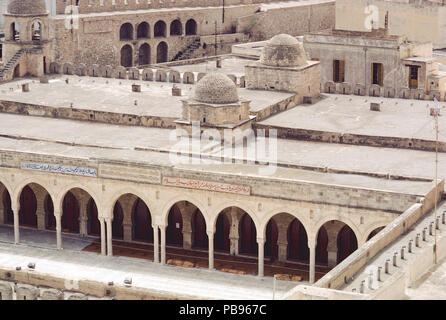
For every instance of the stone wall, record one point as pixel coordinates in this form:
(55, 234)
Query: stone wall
(290, 20)
(350, 138)
(89, 6)
(418, 22)
(35, 285)
(348, 267)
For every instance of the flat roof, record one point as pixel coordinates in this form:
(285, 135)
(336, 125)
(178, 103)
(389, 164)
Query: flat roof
(403, 118)
(229, 65)
(115, 95)
(89, 140)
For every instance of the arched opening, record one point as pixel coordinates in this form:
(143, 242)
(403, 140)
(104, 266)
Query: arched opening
(174, 231)
(176, 28)
(272, 234)
(347, 243)
(142, 222)
(36, 32)
(321, 246)
(191, 27)
(221, 236)
(144, 54)
(15, 31)
(17, 71)
(50, 219)
(7, 210)
(247, 236)
(93, 226)
(374, 232)
(200, 237)
(159, 29)
(70, 213)
(28, 208)
(297, 242)
(161, 52)
(117, 224)
(127, 56)
(126, 32)
(143, 31)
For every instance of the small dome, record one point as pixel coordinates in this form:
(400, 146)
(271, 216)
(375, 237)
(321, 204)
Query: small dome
(216, 88)
(26, 7)
(284, 50)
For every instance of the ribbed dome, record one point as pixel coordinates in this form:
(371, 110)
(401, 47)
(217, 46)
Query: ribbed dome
(284, 50)
(27, 7)
(216, 88)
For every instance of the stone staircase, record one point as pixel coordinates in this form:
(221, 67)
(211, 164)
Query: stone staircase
(186, 53)
(10, 65)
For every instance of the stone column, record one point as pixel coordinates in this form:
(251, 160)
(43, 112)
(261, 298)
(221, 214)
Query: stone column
(103, 240)
(127, 203)
(15, 212)
(186, 213)
(58, 217)
(261, 244)
(234, 232)
(2, 208)
(40, 210)
(283, 221)
(312, 247)
(83, 217)
(333, 229)
(109, 222)
(211, 249)
(163, 244)
(156, 246)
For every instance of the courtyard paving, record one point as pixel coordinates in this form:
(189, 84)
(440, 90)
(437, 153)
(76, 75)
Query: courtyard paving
(73, 264)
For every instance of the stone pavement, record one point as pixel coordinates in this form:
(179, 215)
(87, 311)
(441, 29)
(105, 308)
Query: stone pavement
(177, 281)
(432, 286)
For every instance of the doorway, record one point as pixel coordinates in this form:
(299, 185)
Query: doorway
(377, 73)
(413, 77)
(338, 70)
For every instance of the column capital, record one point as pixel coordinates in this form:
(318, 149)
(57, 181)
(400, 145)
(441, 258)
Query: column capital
(57, 214)
(260, 240)
(311, 244)
(108, 219)
(210, 233)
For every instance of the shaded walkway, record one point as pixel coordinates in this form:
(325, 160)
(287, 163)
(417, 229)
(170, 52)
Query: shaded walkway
(222, 262)
(44, 238)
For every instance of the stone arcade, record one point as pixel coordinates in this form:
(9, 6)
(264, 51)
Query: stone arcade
(100, 179)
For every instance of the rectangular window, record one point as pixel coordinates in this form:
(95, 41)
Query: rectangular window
(413, 77)
(377, 74)
(338, 70)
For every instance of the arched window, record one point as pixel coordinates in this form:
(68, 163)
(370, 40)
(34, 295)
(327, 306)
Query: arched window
(160, 29)
(143, 31)
(161, 52)
(126, 32)
(127, 56)
(36, 34)
(191, 27)
(176, 28)
(144, 54)
(15, 32)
